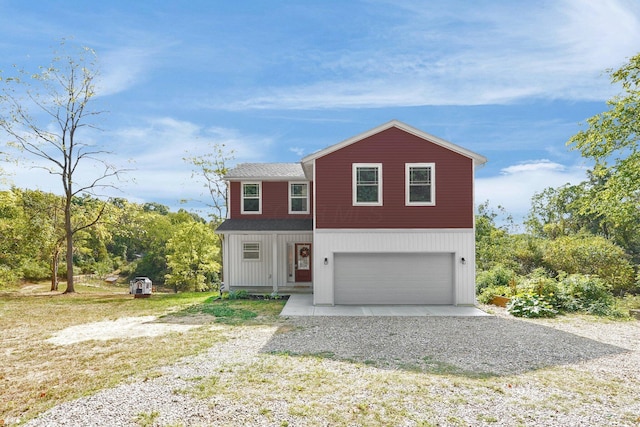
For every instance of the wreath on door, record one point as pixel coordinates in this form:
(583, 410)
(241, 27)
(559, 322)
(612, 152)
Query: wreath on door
(304, 252)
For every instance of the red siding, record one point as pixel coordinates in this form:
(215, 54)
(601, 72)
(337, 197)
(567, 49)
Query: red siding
(275, 201)
(393, 148)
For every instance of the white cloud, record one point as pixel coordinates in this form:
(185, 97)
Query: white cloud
(298, 151)
(121, 69)
(158, 148)
(504, 53)
(153, 154)
(516, 185)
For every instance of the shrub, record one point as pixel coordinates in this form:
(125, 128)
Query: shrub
(589, 294)
(239, 294)
(531, 305)
(35, 270)
(489, 292)
(539, 282)
(592, 255)
(8, 276)
(496, 276)
(564, 293)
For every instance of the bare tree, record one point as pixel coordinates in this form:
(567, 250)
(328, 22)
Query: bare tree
(43, 113)
(212, 168)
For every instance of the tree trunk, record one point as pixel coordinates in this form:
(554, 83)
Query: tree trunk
(54, 269)
(69, 235)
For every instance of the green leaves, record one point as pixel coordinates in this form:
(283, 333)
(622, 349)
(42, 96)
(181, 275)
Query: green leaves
(612, 141)
(193, 257)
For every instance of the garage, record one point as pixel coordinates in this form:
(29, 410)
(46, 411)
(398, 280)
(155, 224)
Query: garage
(394, 278)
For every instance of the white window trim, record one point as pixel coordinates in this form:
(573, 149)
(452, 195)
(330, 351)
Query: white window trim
(291, 211)
(354, 186)
(407, 182)
(244, 251)
(242, 198)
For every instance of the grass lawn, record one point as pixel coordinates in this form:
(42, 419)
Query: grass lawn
(285, 389)
(36, 375)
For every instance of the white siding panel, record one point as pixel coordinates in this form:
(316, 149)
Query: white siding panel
(283, 241)
(250, 272)
(459, 242)
(270, 269)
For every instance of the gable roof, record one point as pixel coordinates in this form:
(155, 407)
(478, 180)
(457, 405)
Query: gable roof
(266, 172)
(307, 162)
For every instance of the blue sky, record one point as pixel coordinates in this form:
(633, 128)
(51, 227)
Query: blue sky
(276, 80)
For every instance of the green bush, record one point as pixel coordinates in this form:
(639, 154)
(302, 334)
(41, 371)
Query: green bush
(540, 295)
(35, 270)
(592, 255)
(583, 293)
(496, 276)
(238, 294)
(489, 292)
(540, 282)
(8, 276)
(531, 305)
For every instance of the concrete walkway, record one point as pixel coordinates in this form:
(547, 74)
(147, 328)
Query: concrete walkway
(302, 305)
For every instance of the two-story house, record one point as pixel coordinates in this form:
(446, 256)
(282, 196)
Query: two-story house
(384, 217)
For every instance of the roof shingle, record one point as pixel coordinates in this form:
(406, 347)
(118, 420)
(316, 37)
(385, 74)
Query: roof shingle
(265, 225)
(269, 171)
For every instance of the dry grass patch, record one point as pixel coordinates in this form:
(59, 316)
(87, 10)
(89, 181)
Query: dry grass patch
(36, 375)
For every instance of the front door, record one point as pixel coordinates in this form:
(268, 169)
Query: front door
(303, 262)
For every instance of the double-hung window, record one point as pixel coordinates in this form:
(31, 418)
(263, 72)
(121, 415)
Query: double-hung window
(251, 198)
(420, 184)
(298, 198)
(367, 184)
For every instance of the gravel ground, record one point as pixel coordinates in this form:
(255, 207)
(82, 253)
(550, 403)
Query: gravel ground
(480, 345)
(484, 365)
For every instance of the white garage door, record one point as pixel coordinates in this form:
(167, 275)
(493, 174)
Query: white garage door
(393, 278)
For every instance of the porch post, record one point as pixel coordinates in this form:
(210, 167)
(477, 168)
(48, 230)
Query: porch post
(275, 257)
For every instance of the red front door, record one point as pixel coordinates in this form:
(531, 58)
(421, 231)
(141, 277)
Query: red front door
(303, 262)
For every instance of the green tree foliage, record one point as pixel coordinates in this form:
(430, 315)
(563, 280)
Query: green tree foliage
(134, 238)
(44, 114)
(31, 233)
(591, 255)
(556, 212)
(193, 257)
(611, 141)
(498, 247)
(151, 235)
(11, 237)
(492, 241)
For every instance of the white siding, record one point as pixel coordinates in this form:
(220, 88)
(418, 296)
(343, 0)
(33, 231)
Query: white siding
(283, 241)
(270, 270)
(249, 272)
(459, 242)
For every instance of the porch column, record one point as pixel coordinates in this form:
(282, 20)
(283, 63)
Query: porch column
(274, 274)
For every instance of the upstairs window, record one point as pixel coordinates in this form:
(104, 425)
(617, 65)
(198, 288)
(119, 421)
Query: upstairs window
(298, 198)
(420, 184)
(367, 184)
(251, 198)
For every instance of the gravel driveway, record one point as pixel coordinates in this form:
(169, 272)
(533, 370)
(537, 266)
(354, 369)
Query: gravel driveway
(467, 345)
(490, 368)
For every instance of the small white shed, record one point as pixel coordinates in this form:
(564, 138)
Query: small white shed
(141, 287)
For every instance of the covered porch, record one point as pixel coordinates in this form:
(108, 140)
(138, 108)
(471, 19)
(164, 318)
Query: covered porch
(266, 256)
